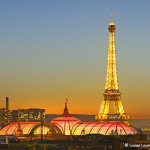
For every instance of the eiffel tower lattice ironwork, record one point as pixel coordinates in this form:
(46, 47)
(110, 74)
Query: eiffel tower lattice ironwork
(112, 93)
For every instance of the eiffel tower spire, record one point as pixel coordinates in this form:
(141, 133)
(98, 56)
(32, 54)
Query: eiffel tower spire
(112, 93)
(111, 17)
(111, 23)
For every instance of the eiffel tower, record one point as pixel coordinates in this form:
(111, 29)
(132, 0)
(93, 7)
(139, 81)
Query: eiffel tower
(112, 93)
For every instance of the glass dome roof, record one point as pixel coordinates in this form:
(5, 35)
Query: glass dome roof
(27, 128)
(65, 122)
(105, 128)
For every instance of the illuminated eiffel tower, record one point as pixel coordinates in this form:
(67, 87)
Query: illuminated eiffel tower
(112, 93)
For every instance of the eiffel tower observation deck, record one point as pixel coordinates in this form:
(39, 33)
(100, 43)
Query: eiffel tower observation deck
(112, 94)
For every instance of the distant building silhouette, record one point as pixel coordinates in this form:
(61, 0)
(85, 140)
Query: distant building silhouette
(5, 115)
(28, 115)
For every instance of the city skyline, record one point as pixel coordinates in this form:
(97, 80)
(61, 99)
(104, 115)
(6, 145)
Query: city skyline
(50, 51)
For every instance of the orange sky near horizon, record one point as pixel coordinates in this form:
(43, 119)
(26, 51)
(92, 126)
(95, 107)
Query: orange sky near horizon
(83, 99)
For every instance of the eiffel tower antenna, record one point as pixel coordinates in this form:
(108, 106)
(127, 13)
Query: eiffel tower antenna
(112, 93)
(111, 17)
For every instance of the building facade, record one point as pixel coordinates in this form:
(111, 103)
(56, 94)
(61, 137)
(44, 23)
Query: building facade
(28, 115)
(5, 117)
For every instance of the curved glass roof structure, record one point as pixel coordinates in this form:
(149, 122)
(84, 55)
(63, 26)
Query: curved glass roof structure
(33, 128)
(105, 128)
(65, 122)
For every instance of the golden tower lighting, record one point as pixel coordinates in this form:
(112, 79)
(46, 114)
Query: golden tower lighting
(112, 93)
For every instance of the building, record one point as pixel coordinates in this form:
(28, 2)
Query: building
(70, 125)
(112, 93)
(65, 122)
(28, 115)
(5, 115)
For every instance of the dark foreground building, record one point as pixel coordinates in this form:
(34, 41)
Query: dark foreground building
(84, 142)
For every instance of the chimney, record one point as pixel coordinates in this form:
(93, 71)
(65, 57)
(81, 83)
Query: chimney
(7, 103)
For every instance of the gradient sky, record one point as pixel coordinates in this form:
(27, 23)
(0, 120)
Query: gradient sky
(53, 49)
